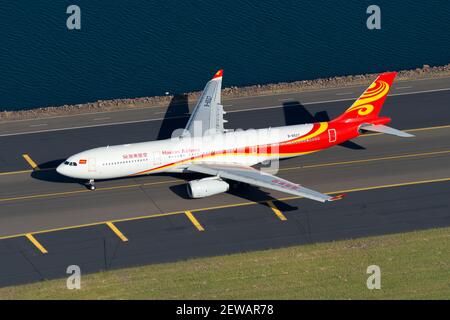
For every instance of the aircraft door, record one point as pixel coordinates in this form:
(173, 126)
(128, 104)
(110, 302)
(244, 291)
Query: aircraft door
(332, 135)
(156, 158)
(92, 165)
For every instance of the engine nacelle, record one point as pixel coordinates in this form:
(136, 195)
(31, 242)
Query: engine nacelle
(206, 187)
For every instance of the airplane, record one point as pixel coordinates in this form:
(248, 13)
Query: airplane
(228, 156)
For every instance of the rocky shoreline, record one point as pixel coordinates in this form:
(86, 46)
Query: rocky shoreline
(227, 93)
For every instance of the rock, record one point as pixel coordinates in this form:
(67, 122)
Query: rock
(229, 92)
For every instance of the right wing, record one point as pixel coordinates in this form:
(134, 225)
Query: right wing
(208, 112)
(261, 179)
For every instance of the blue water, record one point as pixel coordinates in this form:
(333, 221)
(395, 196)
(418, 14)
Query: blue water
(143, 48)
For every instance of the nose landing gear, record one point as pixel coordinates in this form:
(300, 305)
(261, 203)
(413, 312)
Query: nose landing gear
(91, 184)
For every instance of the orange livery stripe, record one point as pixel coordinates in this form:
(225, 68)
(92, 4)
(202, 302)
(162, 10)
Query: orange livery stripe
(288, 146)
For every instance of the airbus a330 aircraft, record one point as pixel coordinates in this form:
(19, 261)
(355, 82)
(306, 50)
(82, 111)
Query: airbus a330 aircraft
(229, 155)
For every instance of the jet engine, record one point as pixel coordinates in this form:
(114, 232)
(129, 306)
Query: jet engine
(206, 187)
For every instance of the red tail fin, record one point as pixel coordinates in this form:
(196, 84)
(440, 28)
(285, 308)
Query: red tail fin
(369, 104)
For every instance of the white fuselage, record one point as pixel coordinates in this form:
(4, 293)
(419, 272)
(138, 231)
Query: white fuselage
(176, 154)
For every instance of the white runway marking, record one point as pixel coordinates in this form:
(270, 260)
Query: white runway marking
(406, 87)
(183, 116)
(343, 93)
(38, 125)
(339, 100)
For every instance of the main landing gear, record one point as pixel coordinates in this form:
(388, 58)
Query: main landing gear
(91, 184)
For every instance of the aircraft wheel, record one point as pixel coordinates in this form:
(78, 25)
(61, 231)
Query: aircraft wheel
(91, 185)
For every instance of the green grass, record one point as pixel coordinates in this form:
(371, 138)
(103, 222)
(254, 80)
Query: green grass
(414, 265)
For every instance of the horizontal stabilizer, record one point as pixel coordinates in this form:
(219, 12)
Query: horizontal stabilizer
(387, 130)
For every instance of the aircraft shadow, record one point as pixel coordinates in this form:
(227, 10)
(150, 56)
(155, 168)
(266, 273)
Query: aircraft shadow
(296, 113)
(243, 191)
(255, 194)
(48, 172)
(176, 116)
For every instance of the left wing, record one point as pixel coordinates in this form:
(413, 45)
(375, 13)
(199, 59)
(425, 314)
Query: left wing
(261, 179)
(208, 112)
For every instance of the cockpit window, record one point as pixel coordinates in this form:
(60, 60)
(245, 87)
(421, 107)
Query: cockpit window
(72, 164)
(66, 162)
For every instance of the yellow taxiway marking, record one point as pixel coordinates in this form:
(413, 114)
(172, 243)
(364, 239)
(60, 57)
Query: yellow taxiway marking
(30, 161)
(276, 210)
(362, 136)
(15, 172)
(411, 130)
(194, 220)
(36, 243)
(23, 171)
(44, 195)
(117, 231)
(429, 128)
(411, 155)
(137, 185)
(158, 215)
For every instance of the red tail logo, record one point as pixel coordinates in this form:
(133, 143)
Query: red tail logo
(370, 102)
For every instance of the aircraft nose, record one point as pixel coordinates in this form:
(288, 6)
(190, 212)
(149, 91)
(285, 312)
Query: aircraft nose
(60, 169)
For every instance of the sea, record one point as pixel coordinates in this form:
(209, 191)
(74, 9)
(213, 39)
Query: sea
(136, 48)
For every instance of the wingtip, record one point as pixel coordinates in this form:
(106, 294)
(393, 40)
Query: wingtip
(338, 197)
(218, 74)
(408, 135)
